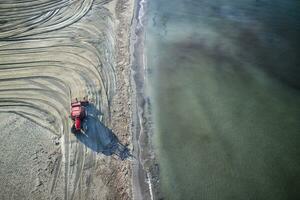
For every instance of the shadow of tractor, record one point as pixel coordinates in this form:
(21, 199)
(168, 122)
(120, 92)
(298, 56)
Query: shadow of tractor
(99, 138)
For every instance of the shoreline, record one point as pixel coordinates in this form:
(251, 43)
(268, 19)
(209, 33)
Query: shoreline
(145, 168)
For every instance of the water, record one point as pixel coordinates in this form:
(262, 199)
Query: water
(224, 79)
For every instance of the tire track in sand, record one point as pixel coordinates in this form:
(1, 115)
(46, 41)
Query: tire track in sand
(52, 51)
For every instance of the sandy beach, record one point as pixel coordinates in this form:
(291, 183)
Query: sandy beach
(50, 53)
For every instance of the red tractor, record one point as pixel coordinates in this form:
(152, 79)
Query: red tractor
(78, 114)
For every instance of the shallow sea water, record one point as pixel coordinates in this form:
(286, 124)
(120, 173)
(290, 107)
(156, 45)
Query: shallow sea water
(225, 84)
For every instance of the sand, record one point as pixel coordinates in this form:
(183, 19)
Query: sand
(50, 53)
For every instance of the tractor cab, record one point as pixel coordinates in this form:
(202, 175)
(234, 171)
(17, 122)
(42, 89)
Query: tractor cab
(78, 114)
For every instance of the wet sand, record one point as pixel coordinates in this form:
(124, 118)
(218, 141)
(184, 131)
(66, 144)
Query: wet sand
(50, 53)
(145, 167)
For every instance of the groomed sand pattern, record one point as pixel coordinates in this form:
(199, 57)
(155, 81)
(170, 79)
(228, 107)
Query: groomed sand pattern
(52, 51)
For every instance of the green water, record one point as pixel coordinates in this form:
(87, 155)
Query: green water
(225, 84)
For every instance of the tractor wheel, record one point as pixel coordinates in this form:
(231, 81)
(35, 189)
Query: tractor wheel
(73, 129)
